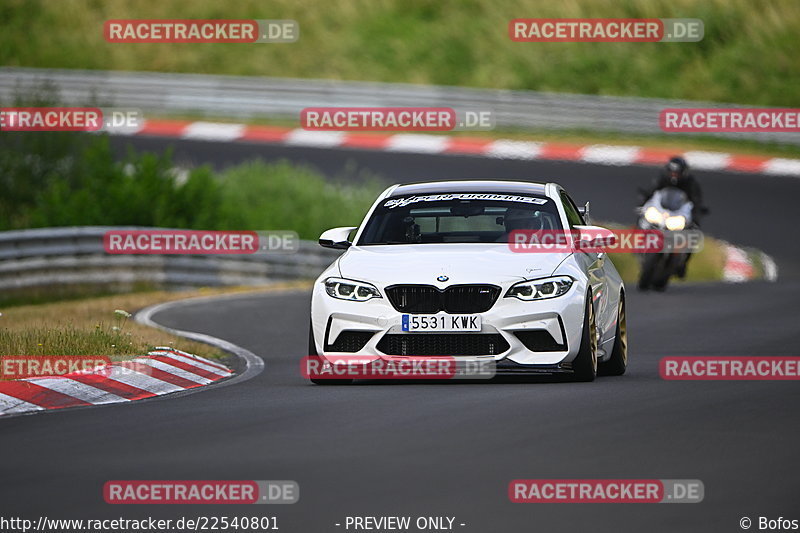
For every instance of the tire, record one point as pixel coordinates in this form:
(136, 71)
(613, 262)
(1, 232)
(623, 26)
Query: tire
(584, 366)
(312, 352)
(618, 362)
(650, 269)
(669, 267)
(661, 284)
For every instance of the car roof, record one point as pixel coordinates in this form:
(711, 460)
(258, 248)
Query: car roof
(487, 186)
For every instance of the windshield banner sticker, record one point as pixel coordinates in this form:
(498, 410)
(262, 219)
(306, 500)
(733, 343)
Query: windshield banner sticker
(402, 202)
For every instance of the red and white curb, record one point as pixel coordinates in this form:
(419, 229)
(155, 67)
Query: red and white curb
(162, 371)
(441, 144)
(739, 266)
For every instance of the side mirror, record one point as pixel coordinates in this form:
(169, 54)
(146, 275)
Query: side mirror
(336, 238)
(593, 238)
(584, 211)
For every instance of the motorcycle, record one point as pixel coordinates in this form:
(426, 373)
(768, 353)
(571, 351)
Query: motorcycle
(667, 210)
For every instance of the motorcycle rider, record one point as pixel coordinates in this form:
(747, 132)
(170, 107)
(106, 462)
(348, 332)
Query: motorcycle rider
(676, 174)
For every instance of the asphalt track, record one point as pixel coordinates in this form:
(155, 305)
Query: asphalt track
(451, 449)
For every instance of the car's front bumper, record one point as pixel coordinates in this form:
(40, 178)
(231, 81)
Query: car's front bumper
(561, 318)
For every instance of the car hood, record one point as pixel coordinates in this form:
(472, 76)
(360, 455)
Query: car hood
(461, 263)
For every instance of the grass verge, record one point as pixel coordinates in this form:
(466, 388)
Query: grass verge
(92, 326)
(748, 53)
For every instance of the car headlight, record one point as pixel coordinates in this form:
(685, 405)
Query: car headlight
(348, 289)
(653, 215)
(540, 289)
(676, 223)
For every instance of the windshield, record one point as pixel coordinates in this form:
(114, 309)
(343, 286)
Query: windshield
(672, 198)
(458, 218)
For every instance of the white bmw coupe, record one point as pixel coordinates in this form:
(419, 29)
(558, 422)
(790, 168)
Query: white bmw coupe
(430, 272)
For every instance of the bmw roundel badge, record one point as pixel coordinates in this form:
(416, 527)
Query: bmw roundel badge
(442, 278)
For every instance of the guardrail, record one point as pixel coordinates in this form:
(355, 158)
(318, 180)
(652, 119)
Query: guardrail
(254, 97)
(48, 257)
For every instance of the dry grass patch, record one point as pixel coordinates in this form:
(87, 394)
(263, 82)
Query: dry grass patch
(100, 326)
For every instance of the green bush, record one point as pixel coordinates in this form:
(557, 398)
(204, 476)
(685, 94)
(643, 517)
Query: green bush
(262, 196)
(75, 180)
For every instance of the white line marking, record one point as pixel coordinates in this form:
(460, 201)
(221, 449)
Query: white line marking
(141, 381)
(787, 167)
(10, 405)
(707, 160)
(194, 362)
(506, 149)
(254, 365)
(417, 143)
(610, 155)
(213, 131)
(175, 371)
(78, 390)
(195, 359)
(322, 139)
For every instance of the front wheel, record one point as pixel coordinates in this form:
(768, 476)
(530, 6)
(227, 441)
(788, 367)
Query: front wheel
(651, 267)
(584, 366)
(669, 266)
(618, 362)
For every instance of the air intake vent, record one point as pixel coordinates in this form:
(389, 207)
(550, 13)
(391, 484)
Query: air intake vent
(539, 340)
(443, 344)
(350, 341)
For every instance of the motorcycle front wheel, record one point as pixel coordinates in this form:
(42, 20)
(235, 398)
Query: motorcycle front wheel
(655, 273)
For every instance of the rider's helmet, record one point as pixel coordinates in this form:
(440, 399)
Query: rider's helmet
(676, 170)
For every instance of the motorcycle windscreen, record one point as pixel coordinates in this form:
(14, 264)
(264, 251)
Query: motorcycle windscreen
(672, 198)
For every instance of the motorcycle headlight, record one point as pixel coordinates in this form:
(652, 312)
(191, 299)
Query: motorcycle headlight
(348, 289)
(676, 223)
(540, 289)
(653, 215)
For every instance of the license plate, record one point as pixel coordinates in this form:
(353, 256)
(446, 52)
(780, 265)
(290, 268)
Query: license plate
(441, 323)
